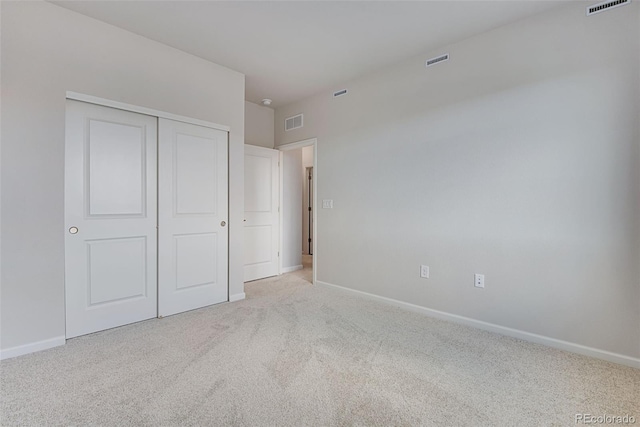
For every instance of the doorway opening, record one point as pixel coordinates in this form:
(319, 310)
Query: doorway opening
(298, 216)
(307, 210)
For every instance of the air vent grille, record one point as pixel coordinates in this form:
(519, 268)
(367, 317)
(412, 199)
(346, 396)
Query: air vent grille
(340, 92)
(606, 5)
(437, 60)
(294, 122)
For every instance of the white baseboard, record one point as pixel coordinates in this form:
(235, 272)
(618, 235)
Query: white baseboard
(503, 330)
(290, 269)
(31, 348)
(237, 297)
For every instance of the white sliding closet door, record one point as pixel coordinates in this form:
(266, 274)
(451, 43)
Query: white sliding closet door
(110, 218)
(193, 215)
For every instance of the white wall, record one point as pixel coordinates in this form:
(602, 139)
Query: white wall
(258, 125)
(291, 252)
(46, 51)
(518, 158)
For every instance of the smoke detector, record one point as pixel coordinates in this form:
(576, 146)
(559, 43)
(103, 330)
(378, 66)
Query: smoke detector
(266, 102)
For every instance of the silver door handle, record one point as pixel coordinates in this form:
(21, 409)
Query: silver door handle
(223, 223)
(73, 230)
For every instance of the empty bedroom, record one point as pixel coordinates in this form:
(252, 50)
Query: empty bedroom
(319, 213)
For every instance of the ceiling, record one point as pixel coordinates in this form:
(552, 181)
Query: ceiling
(291, 50)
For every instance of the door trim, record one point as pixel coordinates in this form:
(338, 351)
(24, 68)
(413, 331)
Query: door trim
(143, 110)
(295, 146)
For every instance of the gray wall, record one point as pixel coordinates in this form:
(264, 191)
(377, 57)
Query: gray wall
(258, 125)
(519, 158)
(291, 202)
(46, 51)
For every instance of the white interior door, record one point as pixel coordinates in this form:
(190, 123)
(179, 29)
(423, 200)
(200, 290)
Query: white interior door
(193, 215)
(261, 204)
(110, 218)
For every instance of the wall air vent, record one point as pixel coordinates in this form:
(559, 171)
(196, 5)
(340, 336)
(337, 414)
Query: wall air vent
(340, 93)
(294, 122)
(605, 5)
(437, 60)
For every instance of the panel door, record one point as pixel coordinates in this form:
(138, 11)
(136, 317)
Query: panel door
(262, 218)
(110, 218)
(193, 215)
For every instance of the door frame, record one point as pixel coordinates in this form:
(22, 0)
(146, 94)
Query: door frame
(294, 146)
(90, 99)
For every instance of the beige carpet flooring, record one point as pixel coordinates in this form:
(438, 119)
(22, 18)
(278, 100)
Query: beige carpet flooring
(293, 354)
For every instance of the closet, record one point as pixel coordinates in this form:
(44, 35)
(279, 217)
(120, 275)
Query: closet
(146, 211)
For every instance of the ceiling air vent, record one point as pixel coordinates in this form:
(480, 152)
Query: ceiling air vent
(294, 122)
(437, 60)
(340, 93)
(606, 5)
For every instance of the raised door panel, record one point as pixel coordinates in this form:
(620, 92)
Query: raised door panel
(116, 168)
(258, 180)
(257, 253)
(117, 270)
(196, 260)
(194, 174)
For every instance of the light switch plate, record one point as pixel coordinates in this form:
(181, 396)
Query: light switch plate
(327, 204)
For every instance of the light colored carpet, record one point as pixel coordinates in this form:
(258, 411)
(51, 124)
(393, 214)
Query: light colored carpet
(293, 354)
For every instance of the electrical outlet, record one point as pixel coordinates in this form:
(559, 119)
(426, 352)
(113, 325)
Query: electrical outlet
(478, 280)
(424, 271)
(327, 204)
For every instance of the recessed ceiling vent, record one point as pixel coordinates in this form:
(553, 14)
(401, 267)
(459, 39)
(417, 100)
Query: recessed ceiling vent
(294, 122)
(437, 60)
(340, 93)
(606, 5)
